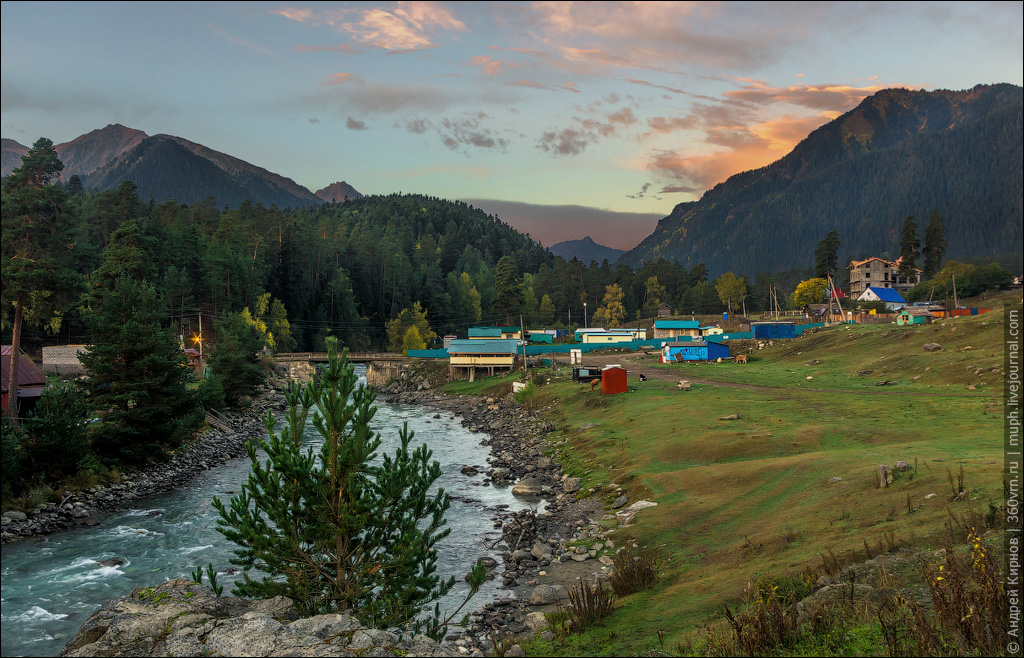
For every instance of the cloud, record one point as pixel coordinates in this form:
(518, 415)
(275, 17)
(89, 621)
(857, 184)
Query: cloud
(643, 193)
(666, 125)
(586, 131)
(319, 48)
(494, 66)
(696, 173)
(248, 45)
(339, 79)
(553, 224)
(468, 131)
(355, 124)
(825, 97)
(564, 142)
(402, 29)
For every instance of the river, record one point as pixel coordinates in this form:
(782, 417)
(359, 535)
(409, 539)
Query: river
(49, 587)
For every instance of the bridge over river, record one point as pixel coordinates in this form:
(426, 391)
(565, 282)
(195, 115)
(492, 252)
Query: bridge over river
(381, 367)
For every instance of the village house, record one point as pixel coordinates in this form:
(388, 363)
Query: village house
(676, 329)
(911, 315)
(879, 273)
(466, 356)
(889, 296)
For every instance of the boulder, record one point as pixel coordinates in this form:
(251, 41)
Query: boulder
(571, 485)
(528, 487)
(625, 516)
(620, 501)
(545, 595)
(932, 347)
(183, 618)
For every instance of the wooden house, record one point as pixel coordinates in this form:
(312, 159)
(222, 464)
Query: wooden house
(676, 328)
(664, 311)
(467, 356)
(31, 381)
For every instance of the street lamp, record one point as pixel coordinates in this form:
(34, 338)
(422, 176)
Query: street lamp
(585, 315)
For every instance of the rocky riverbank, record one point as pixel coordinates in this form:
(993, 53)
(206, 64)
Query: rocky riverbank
(226, 439)
(546, 550)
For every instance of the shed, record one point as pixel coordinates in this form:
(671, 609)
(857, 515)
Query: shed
(31, 381)
(911, 315)
(540, 337)
(770, 330)
(613, 380)
(664, 311)
(696, 350)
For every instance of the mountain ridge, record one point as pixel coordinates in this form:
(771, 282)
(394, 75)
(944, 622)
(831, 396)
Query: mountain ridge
(898, 153)
(586, 250)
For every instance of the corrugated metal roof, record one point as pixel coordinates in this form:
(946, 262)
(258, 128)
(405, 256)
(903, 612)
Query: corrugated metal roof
(676, 324)
(485, 332)
(491, 346)
(28, 374)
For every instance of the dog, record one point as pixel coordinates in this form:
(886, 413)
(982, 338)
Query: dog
(741, 358)
(643, 378)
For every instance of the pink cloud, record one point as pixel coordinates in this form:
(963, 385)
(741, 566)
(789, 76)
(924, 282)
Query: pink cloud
(339, 79)
(402, 29)
(493, 66)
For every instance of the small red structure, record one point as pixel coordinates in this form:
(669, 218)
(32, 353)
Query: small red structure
(31, 382)
(613, 380)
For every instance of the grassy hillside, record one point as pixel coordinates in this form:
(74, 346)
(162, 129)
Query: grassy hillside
(751, 497)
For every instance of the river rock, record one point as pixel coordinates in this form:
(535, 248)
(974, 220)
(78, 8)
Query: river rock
(572, 485)
(183, 618)
(620, 501)
(546, 595)
(469, 471)
(625, 516)
(15, 516)
(528, 487)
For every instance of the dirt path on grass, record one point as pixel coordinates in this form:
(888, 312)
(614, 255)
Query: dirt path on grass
(635, 364)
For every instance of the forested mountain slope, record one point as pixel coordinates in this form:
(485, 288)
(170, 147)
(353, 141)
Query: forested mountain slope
(898, 153)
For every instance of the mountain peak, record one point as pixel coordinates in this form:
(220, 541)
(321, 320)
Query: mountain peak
(586, 250)
(338, 193)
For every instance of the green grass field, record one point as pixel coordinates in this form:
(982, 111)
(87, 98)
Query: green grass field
(747, 498)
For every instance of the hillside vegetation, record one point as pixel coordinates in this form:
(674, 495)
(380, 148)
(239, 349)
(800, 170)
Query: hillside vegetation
(759, 495)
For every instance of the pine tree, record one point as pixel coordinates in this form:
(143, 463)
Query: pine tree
(37, 279)
(826, 256)
(909, 246)
(234, 358)
(508, 290)
(934, 244)
(337, 531)
(137, 376)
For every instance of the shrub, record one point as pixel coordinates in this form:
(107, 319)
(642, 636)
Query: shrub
(635, 570)
(588, 604)
(57, 436)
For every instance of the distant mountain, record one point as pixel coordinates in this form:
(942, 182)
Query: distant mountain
(167, 168)
(898, 153)
(88, 153)
(338, 193)
(10, 155)
(586, 250)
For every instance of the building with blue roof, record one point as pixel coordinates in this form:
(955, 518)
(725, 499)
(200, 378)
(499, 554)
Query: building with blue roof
(891, 297)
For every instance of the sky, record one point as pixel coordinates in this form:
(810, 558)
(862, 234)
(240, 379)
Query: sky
(566, 119)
